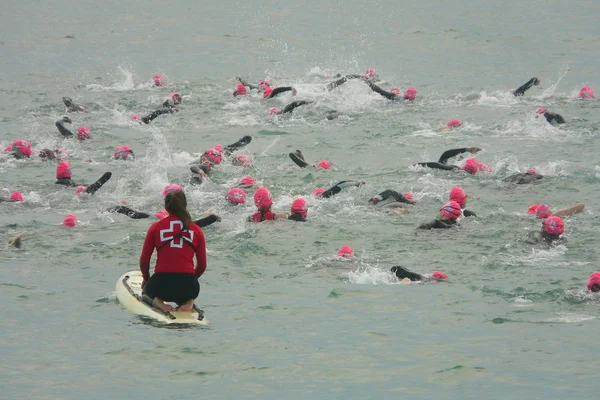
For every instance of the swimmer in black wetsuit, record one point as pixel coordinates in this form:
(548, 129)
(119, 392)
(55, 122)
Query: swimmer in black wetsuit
(265, 88)
(72, 107)
(458, 195)
(441, 163)
(202, 222)
(552, 228)
(403, 273)
(60, 124)
(522, 89)
(521, 178)
(335, 189)
(370, 75)
(298, 158)
(449, 213)
(391, 199)
(299, 210)
(201, 169)
(290, 107)
(552, 118)
(394, 95)
(168, 107)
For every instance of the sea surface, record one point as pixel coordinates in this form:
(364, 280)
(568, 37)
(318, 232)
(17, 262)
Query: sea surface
(288, 318)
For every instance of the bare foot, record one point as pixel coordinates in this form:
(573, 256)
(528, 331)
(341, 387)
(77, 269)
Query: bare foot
(187, 307)
(158, 303)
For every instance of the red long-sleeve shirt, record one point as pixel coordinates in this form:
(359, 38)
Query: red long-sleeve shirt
(177, 255)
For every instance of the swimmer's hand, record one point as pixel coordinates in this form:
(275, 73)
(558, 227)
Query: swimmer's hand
(294, 91)
(474, 150)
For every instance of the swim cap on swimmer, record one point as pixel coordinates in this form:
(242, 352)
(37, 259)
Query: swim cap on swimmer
(171, 188)
(23, 146)
(300, 207)
(262, 198)
(587, 92)
(532, 208)
(8, 148)
(83, 133)
(451, 210)
(543, 211)
(218, 147)
(158, 80)
(395, 91)
(247, 182)
(318, 191)
(176, 97)
(161, 214)
(483, 167)
(370, 72)
(267, 92)
(594, 282)
(531, 171)
(70, 220)
(471, 165)
(16, 196)
(240, 90)
(345, 251)
(79, 189)
(135, 117)
(122, 152)
(439, 275)
(408, 196)
(274, 111)
(410, 94)
(236, 195)
(63, 170)
(554, 226)
(454, 123)
(458, 195)
(264, 84)
(324, 164)
(244, 160)
(214, 156)
(540, 110)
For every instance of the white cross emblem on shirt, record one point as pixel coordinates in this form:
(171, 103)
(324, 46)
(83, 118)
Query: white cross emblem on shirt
(176, 241)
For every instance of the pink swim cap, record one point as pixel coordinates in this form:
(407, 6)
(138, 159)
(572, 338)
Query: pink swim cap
(273, 111)
(324, 164)
(540, 110)
(264, 84)
(161, 214)
(318, 191)
(158, 80)
(471, 165)
(79, 189)
(83, 133)
(262, 198)
(454, 123)
(370, 72)
(395, 91)
(554, 226)
(458, 195)
(593, 280)
(122, 152)
(587, 92)
(299, 206)
(543, 211)
(532, 208)
(218, 147)
(214, 155)
(410, 94)
(408, 196)
(176, 97)
(531, 171)
(171, 188)
(8, 148)
(451, 210)
(240, 90)
(244, 159)
(439, 275)
(23, 146)
(236, 195)
(267, 92)
(63, 170)
(16, 196)
(345, 251)
(249, 181)
(70, 220)
(135, 117)
(483, 167)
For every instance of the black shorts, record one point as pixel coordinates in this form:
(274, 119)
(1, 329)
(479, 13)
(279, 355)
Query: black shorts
(172, 286)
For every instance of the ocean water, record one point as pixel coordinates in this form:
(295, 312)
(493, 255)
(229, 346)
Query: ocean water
(288, 319)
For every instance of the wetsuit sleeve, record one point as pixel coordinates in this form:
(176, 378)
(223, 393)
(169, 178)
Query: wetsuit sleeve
(337, 83)
(279, 90)
(290, 107)
(377, 89)
(64, 131)
(469, 213)
(243, 82)
(129, 212)
(435, 224)
(227, 150)
(554, 118)
(436, 165)
(206, 221)
(146, 255)
(149, 118)
(200, 254)
(522, 89)
(66, 182)
(386, 194)
(451, 153)
(338, 188)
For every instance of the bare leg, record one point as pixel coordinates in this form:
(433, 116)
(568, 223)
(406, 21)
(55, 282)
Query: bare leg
(158, 303)
(187, 306)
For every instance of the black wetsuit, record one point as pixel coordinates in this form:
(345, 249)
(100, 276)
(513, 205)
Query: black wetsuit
(441, 164)
(390, 198)
(402, 273)
(342, 80)
(538, 236)
(468, 213)
(150, 117)
(387, 95)
(297, 217)
(279, 90)
(72, 107)
(438, 224)
(523, 178)
(197, 167)
(335, 189)
(522, 89)
(202, 222)
(61, 127)
(554, 118)
(66, 182)
(290, 107)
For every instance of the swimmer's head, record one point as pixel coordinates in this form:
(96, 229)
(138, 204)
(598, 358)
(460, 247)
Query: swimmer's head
(554, 226)
(274, 111)
(161, 214)
(218, 147)
(410, 94)
(70, 220)
(370, 73)
(408, 196)
(450, 210)
(345, 251)
(263, 199)
(16, 196)
(171, 188)
(176, 97)
(267, 92)
(395, 91)
(213, 155)
(540, 110)
(439, 275)
(264, 84)
(247, 182)
(123, 152)
(243, 160)
(536, 82)
(63, 170)
(587, 92)
(458, 195)
(136, 117)
(22, 146)
(471, 165)
(375, 199)
(324, 164)
(83, 133)
(531, 171)
(236, 196)
(158, 80)
(543, 211)
(300, 207)
(79, 189)
(454, 123)
(8, 148)
(240, 90)
(318, 191)
(532, 208)
(594, 282)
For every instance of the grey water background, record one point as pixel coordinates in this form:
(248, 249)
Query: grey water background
(288, 319)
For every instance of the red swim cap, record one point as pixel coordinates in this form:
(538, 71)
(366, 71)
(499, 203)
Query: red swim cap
(458, 195)
(248, 181)
(262, 198)
(587, 92)
(171, 188)
(439, 275)
(264, 84)
(16, 196)
(554, 226)
(273, 111)
(532, 208)
(240, 90)
(395, 91)
(540, 110)
(63, 170)
(236, 195)
(161, 214)
(471, 165)
(318, 191)
(410, 94)
(23, 146)
(244, 159)
(408, 196)
(593, 280)
(70, 220)
(451, 210)
(214, 155)
(543, 211)
(122, 152)
(83, 133)
(158, 80)
(267, 92)
(324, 164)
(299, 206)
(345, 251)
(370, 72)
(454, 123)
(79, 189)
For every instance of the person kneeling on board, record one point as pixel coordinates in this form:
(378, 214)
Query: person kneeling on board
(176, 240)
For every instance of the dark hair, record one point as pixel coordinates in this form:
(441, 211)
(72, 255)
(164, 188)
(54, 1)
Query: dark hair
(176, 204)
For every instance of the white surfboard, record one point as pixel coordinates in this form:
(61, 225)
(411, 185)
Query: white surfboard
(129, 293)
